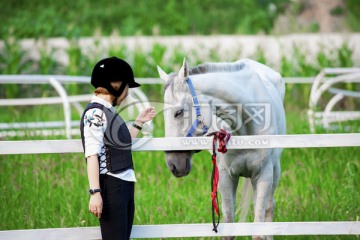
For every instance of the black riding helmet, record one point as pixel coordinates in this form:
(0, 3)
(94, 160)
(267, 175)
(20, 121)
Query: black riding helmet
(113, 69)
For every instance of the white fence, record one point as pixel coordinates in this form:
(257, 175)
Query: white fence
(194, 143)
(326, 82)
(56, 81)
(193, 230)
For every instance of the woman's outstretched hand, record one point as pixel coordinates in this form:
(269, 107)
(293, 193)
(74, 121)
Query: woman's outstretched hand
(146, 115)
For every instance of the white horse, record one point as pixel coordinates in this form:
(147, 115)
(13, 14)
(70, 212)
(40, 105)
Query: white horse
(245, 98)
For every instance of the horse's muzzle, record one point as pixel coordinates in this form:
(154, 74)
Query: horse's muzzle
(179, 162)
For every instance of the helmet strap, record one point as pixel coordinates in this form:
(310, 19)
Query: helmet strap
(116, 93)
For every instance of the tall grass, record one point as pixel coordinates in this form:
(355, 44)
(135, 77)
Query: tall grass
(14, 60)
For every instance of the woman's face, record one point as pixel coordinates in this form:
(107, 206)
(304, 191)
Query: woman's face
(121, 98)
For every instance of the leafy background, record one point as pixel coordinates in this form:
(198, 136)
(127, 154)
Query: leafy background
(72, 19)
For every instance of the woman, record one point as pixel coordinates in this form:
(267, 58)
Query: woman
(107, 145)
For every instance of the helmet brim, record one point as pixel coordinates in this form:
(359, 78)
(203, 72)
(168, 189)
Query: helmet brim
(134, 85)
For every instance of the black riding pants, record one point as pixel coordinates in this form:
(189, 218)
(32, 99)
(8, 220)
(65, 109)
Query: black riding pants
(118, 208)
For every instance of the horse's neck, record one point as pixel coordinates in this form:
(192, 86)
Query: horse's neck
(223, 101)
(220, 88)
(231, 93)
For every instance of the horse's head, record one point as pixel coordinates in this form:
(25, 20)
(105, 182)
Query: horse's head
(179, 116)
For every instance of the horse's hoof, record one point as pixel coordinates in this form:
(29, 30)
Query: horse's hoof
(227, 238)
(262, 237)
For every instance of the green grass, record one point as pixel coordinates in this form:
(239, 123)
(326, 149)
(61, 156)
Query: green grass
(50, 190)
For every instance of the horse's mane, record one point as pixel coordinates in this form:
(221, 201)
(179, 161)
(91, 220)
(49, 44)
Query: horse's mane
(216, 67)
(209, 67)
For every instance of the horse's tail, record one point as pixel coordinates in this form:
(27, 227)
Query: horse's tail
(244, 204)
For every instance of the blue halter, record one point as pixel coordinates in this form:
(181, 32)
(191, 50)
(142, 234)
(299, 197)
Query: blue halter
(199, 118)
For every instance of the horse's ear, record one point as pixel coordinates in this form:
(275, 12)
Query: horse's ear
(184, 72)
(163, 75)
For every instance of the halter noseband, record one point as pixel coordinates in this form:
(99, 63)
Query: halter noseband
(199, 118)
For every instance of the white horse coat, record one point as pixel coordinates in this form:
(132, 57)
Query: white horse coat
(257, 92)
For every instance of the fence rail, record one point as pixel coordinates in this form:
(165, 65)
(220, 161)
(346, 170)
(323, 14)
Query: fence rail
(57, 81)
(194, 143)
(195, 230)
(43, 79)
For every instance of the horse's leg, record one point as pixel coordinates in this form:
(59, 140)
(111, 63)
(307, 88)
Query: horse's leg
(227, 188)
(262, 184)
(270, 206)
(269, 214)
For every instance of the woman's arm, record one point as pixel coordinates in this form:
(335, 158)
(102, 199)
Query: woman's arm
(95, 204)
(133, 130)
(94, 128)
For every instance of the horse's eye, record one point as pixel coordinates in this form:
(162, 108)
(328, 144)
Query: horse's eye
(179, 112)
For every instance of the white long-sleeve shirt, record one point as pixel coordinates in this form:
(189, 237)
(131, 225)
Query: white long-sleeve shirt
(95, 124)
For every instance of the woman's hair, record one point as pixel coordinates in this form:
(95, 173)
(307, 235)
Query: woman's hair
(102, 90)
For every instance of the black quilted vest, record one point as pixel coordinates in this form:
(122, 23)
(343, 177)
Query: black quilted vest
(117, 140)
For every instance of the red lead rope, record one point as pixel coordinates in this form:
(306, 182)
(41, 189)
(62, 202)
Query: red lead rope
(223, 137)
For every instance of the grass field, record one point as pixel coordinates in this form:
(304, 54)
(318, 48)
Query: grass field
(50, 190)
